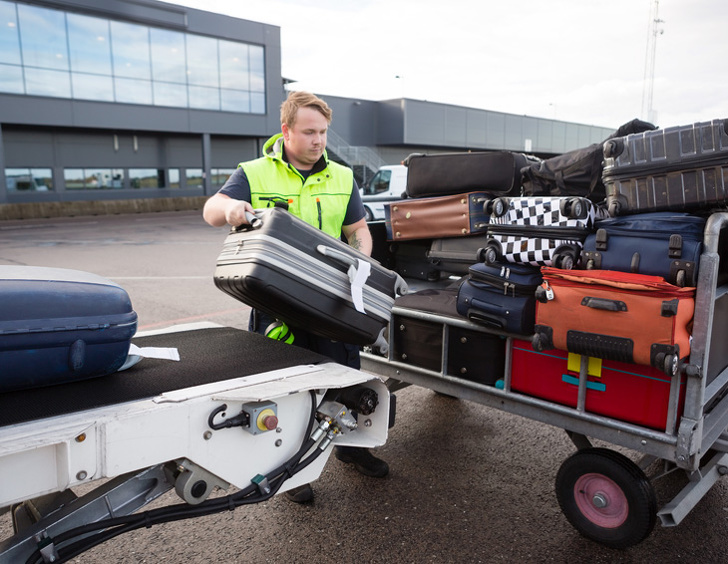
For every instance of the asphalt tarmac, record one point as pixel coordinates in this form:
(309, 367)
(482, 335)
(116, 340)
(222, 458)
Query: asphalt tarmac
(467, 483)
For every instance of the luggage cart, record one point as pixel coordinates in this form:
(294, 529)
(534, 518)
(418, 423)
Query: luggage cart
(605, 495)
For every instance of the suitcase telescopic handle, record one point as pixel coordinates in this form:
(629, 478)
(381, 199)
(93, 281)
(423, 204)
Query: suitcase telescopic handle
(254, 220)
(603, 303)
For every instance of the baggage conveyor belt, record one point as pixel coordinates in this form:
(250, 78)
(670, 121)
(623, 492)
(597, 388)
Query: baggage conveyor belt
(238, 412)
(233, 353)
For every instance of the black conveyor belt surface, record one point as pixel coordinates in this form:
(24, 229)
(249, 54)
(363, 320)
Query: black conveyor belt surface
(206, 355)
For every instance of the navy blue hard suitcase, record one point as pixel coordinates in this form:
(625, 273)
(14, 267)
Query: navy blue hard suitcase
(666, 244)
(501, 296)
(59, 325)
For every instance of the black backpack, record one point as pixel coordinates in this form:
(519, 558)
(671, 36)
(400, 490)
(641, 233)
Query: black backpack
(577, 172)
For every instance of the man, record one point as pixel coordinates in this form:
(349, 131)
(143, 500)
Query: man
(295, 169)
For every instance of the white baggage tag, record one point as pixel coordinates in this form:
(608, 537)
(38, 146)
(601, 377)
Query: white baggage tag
(358, 277)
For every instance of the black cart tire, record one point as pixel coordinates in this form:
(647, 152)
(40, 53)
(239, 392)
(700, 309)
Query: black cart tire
(606, 497)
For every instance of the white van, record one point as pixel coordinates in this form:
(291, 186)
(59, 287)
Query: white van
(387, 185)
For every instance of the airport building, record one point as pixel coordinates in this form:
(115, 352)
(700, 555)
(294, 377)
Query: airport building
(137, 105)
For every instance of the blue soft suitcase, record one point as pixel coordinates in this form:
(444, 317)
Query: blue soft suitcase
(501, 296)
(666, 244)
(59, 325)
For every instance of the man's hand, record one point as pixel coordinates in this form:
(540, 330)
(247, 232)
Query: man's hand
(235, 212)
(221, 209)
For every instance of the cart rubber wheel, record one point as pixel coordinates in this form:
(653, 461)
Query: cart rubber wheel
(606, 497)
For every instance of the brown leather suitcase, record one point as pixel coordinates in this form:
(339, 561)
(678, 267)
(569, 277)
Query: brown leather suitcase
(432, 218)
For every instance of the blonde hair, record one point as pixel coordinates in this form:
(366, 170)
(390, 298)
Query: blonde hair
(297, 100)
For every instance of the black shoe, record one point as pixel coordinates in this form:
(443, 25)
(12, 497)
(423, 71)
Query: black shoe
(301, 494)
(363, 460)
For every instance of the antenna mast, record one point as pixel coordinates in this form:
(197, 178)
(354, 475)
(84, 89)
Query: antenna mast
(653, 30)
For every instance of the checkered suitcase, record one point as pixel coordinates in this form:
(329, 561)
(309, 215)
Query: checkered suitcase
(541, 231)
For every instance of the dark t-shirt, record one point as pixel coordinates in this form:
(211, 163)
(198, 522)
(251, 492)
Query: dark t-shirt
(238, 188)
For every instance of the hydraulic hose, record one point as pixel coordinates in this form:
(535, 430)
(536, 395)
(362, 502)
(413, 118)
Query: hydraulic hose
(250, 494)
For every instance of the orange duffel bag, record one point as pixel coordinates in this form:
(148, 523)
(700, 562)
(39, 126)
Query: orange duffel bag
(615, 316)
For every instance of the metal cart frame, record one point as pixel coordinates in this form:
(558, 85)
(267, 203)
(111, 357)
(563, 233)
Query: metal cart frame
(695, 442)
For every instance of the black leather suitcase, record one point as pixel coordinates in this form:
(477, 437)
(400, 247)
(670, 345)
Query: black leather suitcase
(306, 278)
(679, 168)
(455, 255)
(443, 174)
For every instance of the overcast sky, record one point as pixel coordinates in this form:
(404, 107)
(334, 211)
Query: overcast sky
(571, 60)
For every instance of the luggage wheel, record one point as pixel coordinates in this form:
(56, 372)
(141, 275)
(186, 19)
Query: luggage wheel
(490, 254)
(574, 208)
(496, 207)
(565, 259)
(668, 363)
(680, 278)
(606, 497)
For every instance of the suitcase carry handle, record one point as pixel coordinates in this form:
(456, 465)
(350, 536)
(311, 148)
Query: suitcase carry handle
(603, 303)
(338, 256)
(484, 320)
(349, 262)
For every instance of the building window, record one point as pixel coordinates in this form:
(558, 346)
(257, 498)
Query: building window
(47, 52)
(73, 179)
(142, 178)
(220, 176)
(193, 177)
(130, 51)
(9, 42)
(93, 178)
(28, 179)
(173, 177)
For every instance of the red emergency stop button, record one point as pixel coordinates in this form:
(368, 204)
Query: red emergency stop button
(267, 420)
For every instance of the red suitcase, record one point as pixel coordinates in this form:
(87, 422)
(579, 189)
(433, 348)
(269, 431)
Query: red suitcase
(613, 315)
(627, 392)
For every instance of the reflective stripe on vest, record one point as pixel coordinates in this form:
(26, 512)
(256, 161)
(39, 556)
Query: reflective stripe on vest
(320, 201)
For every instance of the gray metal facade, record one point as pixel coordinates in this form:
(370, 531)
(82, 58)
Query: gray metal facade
(61, 134)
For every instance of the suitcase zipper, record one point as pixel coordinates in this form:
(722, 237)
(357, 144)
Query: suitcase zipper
(539, 232)
(514, 288)
(695, 163)
(556, 282)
